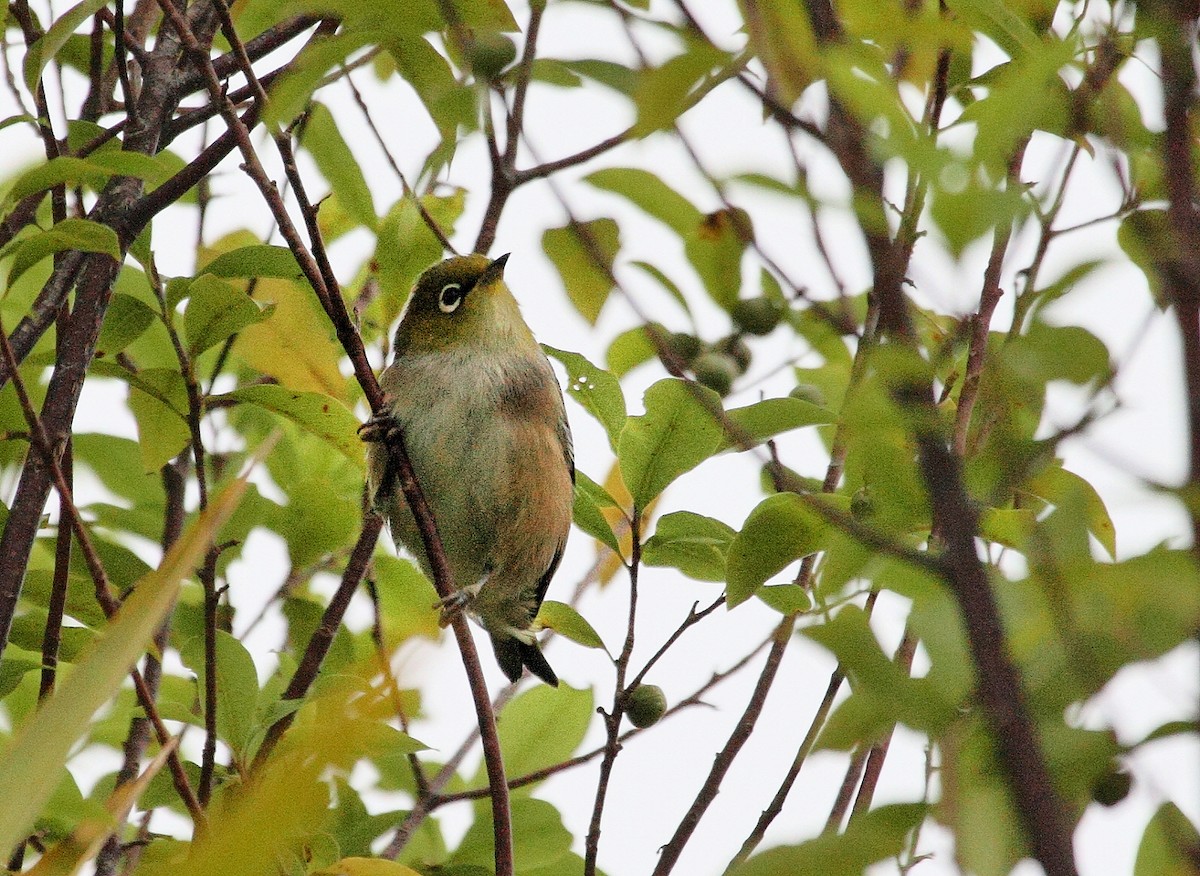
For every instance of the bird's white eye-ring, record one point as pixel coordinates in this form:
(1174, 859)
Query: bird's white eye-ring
(450, 297)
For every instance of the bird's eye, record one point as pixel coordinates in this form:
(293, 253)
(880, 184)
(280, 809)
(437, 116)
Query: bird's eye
(450, 297)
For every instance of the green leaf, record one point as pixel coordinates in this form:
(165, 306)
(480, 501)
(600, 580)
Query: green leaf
(321, 415)
(785, 598)
(43, 51)
(1046, 352)
(869, 837)
(692, 543)
(666, 282)
(1010, 527)
(715, 250)
(566, 621)
(1055, 484)
(586, 511)
(337, 164)
(770, 417)
(237, 687)
(365, 867)
(539, 841)
(779, 531)
(596, 390)
(883, 693)
(216, 310)
(1168, 846)
(675, 435)
(70, 234)
(290, 92)
(158, 400)
(124, 322)
(997, 19)
(256, 260)
(647, 191)
(618, 77)
(406, 246)
(541, 727)
(38, 752)
(628, 350)
(664, 92)
(583, 253)
(63, 170)
(786, 45)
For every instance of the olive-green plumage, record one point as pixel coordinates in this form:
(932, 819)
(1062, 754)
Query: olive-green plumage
(484, 424)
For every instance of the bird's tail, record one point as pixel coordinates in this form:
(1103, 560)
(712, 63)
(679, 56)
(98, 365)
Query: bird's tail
(513, 655)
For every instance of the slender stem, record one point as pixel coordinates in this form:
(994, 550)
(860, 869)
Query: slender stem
(612, 719)
(669, 856)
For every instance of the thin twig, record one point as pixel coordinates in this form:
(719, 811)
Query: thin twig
(612, 719)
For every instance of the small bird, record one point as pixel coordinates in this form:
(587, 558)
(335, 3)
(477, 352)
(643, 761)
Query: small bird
(485, 427)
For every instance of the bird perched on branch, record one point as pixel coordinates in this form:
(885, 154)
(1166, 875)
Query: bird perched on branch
(484, 424)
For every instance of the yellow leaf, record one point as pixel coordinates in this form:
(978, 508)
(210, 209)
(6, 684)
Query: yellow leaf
(366, 867)
(293, 345)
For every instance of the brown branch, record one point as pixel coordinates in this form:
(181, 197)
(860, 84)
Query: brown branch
(694, 699)
(806, 745)
(879, 751)
(1180, 270)
(724, 759)
(138, 737)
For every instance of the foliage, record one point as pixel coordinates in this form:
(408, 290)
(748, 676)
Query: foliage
(907, 439)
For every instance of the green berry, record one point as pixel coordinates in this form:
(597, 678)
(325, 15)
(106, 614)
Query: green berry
(737, 349)
(686, 347)
(808, 392)
(756, 316)
(489, 53)
(717, 371)
(645, 704)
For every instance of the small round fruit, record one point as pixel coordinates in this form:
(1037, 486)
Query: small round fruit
(756, 316)
(808, 392)
(737, 349)
(686, 347)
(645, 705)
(489, 53)
(716, 371)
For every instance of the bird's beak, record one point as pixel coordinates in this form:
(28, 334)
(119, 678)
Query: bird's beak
(498, 265)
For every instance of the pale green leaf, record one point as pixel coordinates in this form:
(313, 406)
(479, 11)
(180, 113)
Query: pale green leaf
(216, 310)
(779, 531)
(692, 543)
(322, 415)
(583, 253)
(566, 621)
(676, 434)
(596, 390)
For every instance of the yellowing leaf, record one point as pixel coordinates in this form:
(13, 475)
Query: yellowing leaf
(39, 751)
(366, 867)
(293, 345)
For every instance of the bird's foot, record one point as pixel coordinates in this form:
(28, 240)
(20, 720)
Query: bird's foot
(456, 603)
(380, 428)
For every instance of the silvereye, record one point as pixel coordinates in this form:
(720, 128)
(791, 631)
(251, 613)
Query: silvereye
(484, 424)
